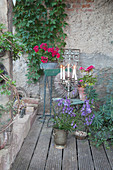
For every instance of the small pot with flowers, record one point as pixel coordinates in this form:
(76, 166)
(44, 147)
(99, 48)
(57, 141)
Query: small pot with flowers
(84, 118)
(48, 55)
(63, 122)
(87, 79)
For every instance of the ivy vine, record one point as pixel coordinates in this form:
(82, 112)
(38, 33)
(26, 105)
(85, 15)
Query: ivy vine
(39, 21)
(10, 42)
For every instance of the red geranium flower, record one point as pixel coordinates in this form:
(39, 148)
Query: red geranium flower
(44, 59)
(58, 55)
(89, 68)
(81, 68)
(36, 48)
(44, 46)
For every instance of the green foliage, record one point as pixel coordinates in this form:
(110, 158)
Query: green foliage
(10, 42)
(91, 93)
(39, 22)
(63, 115)
(5, 89)
(101, 130)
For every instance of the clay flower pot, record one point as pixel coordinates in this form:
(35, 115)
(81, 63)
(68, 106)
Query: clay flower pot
(81, 93)
(60, 138)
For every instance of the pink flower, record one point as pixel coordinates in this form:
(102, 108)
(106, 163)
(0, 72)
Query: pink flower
(44, 59)
(81, 68)
(58, 55)
(89, 68)
(36, 48)
(81, 81)
(44, 46)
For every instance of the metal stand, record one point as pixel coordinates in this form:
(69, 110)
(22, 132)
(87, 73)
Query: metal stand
(48, 73)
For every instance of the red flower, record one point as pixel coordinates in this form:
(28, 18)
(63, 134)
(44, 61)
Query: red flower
(44, 46)
(81, 68)
(44, 59)
(58, 55)
(90, 68)
(36, 48)
(51, 49)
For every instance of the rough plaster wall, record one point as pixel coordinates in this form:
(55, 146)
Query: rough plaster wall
(90, 29)
(19, 75)
(3, 12)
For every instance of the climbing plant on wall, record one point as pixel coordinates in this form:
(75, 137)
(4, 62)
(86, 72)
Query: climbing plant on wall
(39, 21)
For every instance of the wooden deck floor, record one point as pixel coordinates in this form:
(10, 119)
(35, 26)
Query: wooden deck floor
(38, 153)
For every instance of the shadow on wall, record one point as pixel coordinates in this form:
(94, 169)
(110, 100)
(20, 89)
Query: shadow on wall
(104, 84)
(98, 60)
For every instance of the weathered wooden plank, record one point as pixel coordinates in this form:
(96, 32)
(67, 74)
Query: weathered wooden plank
(27, 149)
(109, 153)
(85, 161)
(100, 159)
(39, 158)
(54, 158)
(70, 154)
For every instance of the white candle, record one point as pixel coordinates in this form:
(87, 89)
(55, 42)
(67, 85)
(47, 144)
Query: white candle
(61, 72)
(75, 73)
(68, 70)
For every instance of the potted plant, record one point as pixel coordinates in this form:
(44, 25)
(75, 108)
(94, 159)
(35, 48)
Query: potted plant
(87, 79)
(84, 118)
(47, 54)
(63, 122)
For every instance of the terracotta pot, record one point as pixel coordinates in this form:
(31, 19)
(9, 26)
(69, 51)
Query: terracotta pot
(81, 93)
(60, 138)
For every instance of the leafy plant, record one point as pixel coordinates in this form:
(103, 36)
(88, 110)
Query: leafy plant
(5, 89)
(47, 54)
(63, 118)
(10, 42)
(87, 77)
(101, 130)
(91, 93)
(39, 21)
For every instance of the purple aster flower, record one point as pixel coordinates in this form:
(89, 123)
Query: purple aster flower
(72, 123)
(75, 126)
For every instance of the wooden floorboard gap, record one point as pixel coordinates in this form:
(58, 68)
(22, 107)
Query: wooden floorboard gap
(48, 148)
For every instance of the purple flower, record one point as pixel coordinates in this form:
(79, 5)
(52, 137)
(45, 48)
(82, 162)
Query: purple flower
(75, 126)
(72, 123)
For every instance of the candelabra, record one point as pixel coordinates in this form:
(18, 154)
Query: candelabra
(68, 77)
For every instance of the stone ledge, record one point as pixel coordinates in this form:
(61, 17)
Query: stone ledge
(21, 127)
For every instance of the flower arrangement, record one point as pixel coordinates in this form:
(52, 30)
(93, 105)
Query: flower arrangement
(87, 76)
(84, 117)
(46, 53)
(63, 119)
(68, 118)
